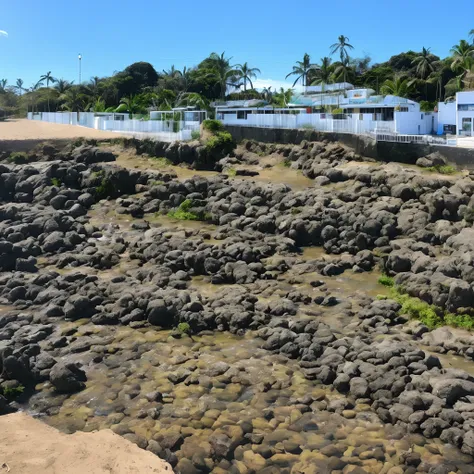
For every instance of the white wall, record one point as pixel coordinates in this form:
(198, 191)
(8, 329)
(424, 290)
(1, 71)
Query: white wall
(415, 123)
(446, 115)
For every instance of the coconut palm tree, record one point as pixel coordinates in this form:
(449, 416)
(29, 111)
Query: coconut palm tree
(471, 35)
(19, 86)
(172, 72)
(436, 77)
(224, 73)
(3, 85)
(62, 85)
(34, 89)
(130, 104)
(73, 100)
(344, 70)
(342, 46)
(463, 56)
(247, 73)
(48, 78)
(399, 86)
(301, 70)
(267, 93)
(424, 63)
(321, 74)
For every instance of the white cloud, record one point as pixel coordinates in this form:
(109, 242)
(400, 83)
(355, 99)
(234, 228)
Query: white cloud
(3, 33)
(275, 85)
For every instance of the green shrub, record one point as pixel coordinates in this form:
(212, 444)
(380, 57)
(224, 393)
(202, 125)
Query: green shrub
(195, 134)
(231, 172)
(286, 163)
(184, 328)
(385, 280)
(56, 182)
(442, 169)
(161, 161)
(221, 143)
(430, 315)
(13, 392)
(18, 157)
(184, 213)
(213, 126)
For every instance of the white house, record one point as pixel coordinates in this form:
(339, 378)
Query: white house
(457, 117)
(362, 112)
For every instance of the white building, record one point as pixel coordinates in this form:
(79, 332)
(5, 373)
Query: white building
(360, 112)
(457, 117)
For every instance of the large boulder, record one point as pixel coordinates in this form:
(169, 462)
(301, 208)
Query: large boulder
(159, 313)
(67, 378)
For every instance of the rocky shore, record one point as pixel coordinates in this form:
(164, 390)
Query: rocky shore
(231, 324)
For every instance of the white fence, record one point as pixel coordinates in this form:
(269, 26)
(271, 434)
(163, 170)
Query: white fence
(318, 122)
(420, 139)
(163, 130)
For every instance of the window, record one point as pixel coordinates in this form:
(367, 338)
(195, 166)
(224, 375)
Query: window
(404, 109)
(466, 107)
(421, 116)
(241, 115)
(466, 124)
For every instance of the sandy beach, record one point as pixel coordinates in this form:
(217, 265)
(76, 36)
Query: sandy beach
(29, 446)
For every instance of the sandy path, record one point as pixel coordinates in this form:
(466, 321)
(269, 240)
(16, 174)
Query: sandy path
(35, 130)
(28, 446)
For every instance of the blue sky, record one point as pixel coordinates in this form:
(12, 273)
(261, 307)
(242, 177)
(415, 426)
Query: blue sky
(269, 34)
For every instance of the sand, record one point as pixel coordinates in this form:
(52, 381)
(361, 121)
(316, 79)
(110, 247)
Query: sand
(24, 129)
(28, 446)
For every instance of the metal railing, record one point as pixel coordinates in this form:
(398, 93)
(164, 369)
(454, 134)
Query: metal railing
(418, 139)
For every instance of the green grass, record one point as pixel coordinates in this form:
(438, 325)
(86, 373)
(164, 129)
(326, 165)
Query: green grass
(442, 169)
(231, 172)
(161, 161)
(430, 315)
(56, 182)
(385, 280)
(286, 163)
(184, 213)
(13, 392)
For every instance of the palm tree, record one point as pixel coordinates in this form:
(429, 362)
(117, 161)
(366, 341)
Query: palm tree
(34, 89)
(463, 56)
(19, 86)
(471, 35)
(342, 46)
(93, 87)
(247, 73)
(436, 77)
(73, 99)
(267, 93)
(424, 63)
(62, 85)
(224, 74)
(48, 78)
(301, 70)
(343, 70)
(130, 104)
(3, 85)
(172, 72)
(399, 86)
(322, 72)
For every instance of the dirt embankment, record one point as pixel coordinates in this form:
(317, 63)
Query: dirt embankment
(28, 446)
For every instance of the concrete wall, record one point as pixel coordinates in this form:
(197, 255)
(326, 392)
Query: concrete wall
(363, 145)
(446, 115)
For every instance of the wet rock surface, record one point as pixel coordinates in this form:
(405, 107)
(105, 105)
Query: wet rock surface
(252, 341)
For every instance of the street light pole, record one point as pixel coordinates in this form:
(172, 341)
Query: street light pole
(80, 61)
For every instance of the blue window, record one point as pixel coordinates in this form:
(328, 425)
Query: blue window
(466, 107)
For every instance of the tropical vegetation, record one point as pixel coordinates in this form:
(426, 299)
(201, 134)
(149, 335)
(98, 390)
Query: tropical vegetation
(421, 76)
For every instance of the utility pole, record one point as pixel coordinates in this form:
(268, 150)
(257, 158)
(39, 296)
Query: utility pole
(80, 61)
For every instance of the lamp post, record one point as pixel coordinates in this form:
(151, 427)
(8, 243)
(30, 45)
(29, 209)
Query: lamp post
(80, 62)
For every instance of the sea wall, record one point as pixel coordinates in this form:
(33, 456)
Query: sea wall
(363, 145)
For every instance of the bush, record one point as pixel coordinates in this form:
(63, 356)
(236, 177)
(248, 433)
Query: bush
(184, 213)
(13, 392)
(231, 172)
(286, 163)
(221, 143)
(442, 169)
(162, 161)
(213, 126)
(195, 134)
(56, 182)
(18, 157)
(184, 328)
(385, 280)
